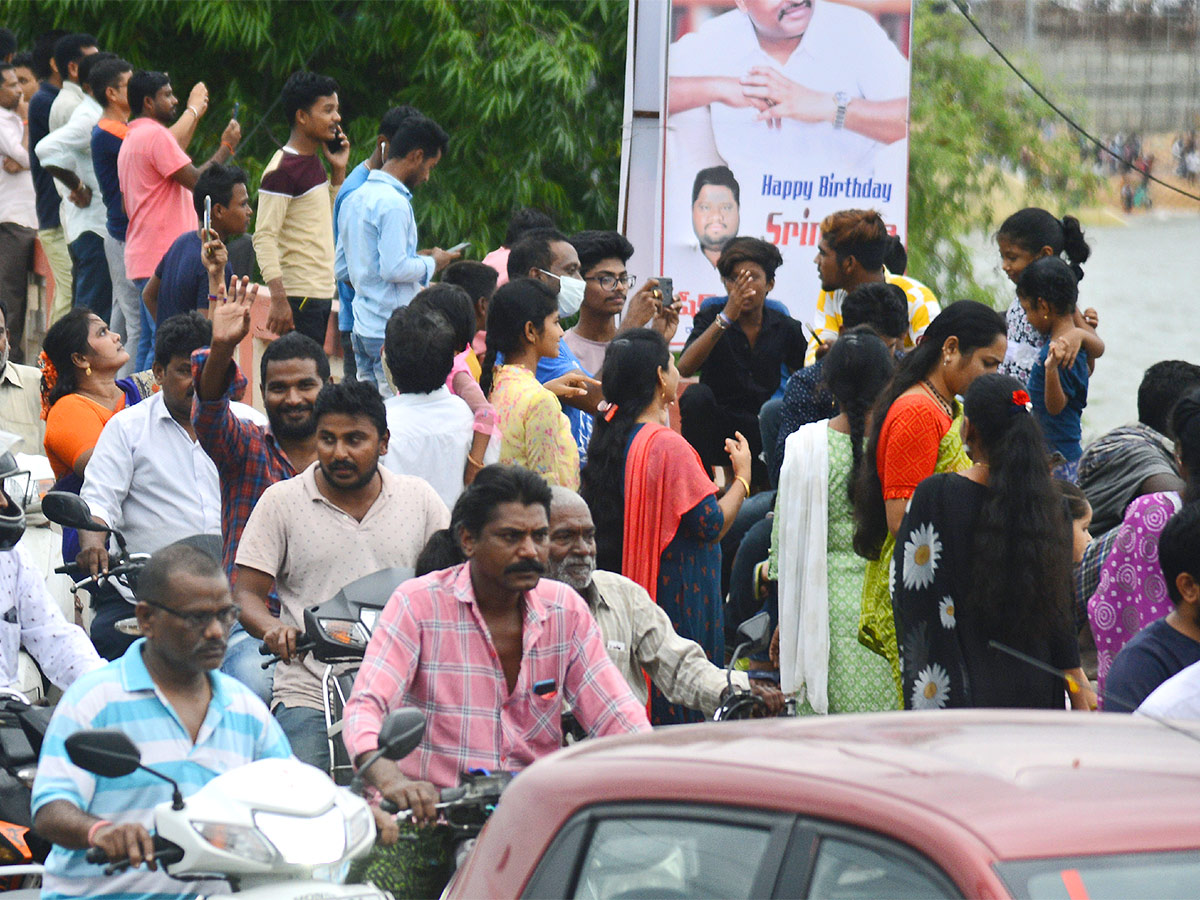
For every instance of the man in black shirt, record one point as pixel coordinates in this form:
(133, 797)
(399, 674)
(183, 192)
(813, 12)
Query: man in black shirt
(1171, 644)
(740, 350)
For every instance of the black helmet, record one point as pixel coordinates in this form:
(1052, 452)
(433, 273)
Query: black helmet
(12, 515)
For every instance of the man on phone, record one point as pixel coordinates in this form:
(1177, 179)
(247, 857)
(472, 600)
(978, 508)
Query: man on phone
(377, 241)
(294, 235)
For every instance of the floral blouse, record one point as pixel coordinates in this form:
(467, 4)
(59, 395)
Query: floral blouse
(533, 430)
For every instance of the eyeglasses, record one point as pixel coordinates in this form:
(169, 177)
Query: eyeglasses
(198, 621)
(608, 282)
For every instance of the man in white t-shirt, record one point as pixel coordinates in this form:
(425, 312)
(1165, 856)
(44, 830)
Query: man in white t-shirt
(779, 79)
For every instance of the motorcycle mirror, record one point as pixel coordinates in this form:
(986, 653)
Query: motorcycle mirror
(106, 752)
(70, 510)
(401, 732)
(755, 631)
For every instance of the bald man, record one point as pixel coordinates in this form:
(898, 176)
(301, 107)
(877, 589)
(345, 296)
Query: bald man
(637, 633)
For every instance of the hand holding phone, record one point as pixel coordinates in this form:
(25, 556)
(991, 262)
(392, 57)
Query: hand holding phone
(459, 248)
(237, 104)
(207, 233)
(335, 143)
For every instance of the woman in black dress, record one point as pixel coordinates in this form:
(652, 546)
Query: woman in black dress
(985, 555)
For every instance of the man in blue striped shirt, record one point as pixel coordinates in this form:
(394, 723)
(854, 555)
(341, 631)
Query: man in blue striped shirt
(190, 722)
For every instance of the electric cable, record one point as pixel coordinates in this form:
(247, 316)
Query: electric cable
(962, 7)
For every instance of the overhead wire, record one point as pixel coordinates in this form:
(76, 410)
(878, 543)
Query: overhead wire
(963, 8)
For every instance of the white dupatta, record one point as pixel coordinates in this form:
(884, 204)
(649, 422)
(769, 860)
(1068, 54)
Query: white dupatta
(803, 510)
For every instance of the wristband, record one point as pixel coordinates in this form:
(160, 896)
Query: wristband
(228, 145)
(723, 321)
(744, 482)
(96, 826)
(212, 298)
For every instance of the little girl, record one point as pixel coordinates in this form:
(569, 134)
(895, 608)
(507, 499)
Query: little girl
(1080, 512)
(1031, 234)
(1058, 389)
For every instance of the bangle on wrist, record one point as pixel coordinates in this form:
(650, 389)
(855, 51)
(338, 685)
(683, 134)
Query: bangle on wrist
(723, 321)
(96, 826)
(473, 461)
(194, 112)
(745, 483)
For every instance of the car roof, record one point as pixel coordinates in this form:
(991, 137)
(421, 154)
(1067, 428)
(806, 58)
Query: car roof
(1025, 784)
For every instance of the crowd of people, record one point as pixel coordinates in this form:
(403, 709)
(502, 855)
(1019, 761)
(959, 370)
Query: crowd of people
(905, 492)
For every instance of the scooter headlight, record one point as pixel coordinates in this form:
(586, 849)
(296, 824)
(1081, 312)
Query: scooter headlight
(302, 840)
(358, 826)
(240, 840)
(345, 632)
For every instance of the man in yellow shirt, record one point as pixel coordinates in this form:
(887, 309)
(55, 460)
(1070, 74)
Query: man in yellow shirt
(850, 252)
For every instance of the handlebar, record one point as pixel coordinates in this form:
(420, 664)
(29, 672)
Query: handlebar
(303, 645)
(446, 796)
(165, 853)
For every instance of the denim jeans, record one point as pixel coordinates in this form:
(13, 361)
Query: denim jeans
(93, 285)
(368, 358)
(306, 732)
(145, 354)
(127, 302)
(244, 662)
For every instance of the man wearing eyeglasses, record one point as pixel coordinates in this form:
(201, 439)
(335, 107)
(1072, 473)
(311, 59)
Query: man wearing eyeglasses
(602, 258)
(190, 722)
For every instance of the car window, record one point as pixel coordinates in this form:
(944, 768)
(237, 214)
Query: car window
(669, 858)
(1126, 876)
(847, 870)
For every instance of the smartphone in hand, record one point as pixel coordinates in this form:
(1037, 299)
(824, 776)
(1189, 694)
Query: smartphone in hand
(335, 144)
(458, 248)
(666, 287)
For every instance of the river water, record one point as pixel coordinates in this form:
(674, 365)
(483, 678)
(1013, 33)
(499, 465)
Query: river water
(1144, 280)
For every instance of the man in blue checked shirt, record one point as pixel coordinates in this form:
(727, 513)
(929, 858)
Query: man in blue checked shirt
(377, 242)
(190, 722)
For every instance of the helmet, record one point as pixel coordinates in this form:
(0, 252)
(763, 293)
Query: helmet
(12, 515)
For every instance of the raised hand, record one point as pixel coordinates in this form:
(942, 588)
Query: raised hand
(738, 449)
(231, 312)
(738, 295)
(198, 99)
(232, 135)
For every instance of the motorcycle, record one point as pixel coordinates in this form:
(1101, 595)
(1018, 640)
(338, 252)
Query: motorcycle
(273, 828)
(336, 633)
(754, 635)
(22, 851)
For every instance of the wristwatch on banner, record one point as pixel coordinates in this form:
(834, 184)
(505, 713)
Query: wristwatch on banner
(842, 99)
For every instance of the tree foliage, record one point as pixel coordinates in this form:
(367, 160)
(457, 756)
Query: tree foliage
(975, 133)
(531, 92)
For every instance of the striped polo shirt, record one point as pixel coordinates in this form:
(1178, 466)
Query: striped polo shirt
(922, 309)
(237, 729)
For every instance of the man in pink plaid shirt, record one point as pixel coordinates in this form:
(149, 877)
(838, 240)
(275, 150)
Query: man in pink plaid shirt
(488, 651)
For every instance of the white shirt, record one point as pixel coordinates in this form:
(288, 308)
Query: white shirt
(843, 49)
(30, 618)
(1176, 698)
(70, 148)
(149, 479)
(68, 97)
(17, 198)
(430, 438)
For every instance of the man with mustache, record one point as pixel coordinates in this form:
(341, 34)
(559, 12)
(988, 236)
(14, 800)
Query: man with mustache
(638, 635)
(249, 457)
(488, 651)
(343, 517)
(148, 476)
(191, 723)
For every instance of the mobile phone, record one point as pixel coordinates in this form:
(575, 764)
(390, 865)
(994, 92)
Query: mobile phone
(237, 104)
(335, 144)
(458, 247)
(207, 218)
(667, 287)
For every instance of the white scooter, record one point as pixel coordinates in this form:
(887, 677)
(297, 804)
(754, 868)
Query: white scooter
(277, 829)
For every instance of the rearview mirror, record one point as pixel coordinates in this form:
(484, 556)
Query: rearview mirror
(105, 752)
(401, 732)
(70, 510)
(755, 631)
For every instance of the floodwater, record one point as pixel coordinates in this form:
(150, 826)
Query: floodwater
(1144, 281)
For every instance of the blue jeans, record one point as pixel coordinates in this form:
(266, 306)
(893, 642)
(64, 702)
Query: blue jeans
(244, 662)
(145, 349)
(368, 358)
(93, 284)
(768, 426)
(306, 732)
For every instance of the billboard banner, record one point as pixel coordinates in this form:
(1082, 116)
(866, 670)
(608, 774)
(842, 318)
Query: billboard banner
(777, 113)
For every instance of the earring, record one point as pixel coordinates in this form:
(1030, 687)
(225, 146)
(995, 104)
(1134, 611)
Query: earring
(88, 371)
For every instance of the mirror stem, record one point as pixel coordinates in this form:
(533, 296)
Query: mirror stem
(176, 794)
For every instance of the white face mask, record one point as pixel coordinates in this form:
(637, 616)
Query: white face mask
(570, 295)
(4, 359)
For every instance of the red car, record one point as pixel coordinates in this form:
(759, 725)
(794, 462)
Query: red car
(983, 803)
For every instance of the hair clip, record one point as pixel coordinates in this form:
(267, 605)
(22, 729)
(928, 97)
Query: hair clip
(612, 411)
(1021, 399)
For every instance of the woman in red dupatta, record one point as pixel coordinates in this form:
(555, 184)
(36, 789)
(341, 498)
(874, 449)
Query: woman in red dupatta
(658, 519)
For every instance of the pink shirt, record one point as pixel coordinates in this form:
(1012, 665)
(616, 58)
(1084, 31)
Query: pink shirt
(431, 649)
(159, 208)
(498, 260)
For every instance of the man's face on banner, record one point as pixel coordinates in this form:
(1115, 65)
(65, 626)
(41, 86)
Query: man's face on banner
(715, 217)
(778, 18)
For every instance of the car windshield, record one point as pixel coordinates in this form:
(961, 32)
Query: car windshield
(1125, 876)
